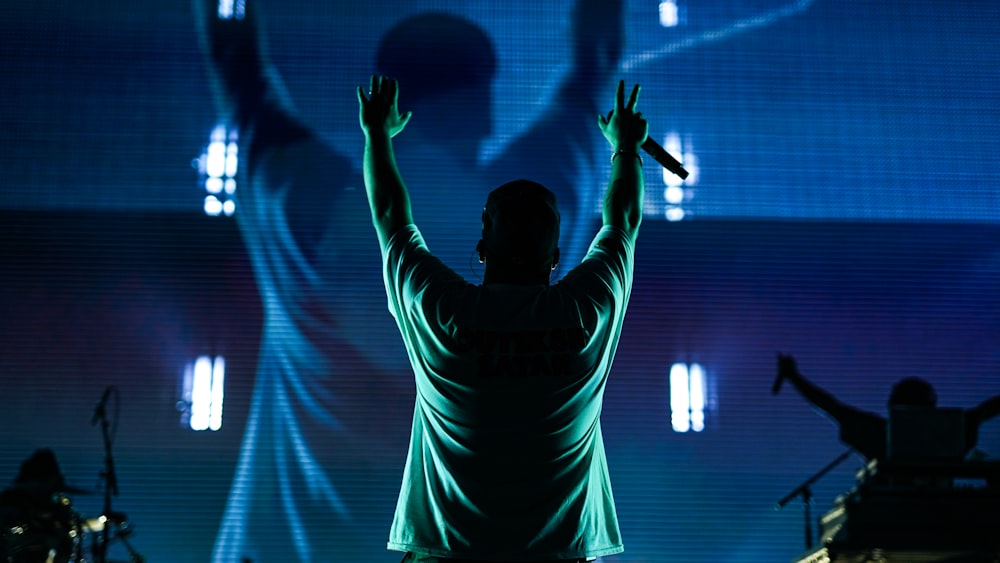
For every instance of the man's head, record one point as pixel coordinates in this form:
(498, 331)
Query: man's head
(520, 243)
(912, 392)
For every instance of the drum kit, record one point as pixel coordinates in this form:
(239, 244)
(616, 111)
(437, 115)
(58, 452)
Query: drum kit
(38, 523)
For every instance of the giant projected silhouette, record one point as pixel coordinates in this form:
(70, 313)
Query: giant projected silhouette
(303, 228)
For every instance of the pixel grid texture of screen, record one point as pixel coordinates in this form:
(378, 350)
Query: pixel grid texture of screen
(231, 325)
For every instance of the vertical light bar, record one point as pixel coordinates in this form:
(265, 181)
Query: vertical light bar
(187, 388)
(232, 157)
(687, 397)
(674, 192)
(215, 165)
(229, 9)
(217, 393)
(201, 393)
(204, 392)
(696, 387)
(677, 191)
(219, 165)
(680, 399)
(669, 16)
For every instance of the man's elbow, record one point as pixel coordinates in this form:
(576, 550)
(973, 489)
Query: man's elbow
(627, 220)
(388, 220)
(632, 221)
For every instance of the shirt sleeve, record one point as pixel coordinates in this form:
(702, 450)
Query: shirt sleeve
(410, 270)
(605, 274)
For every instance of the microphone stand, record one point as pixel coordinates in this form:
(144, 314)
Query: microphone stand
(805, 492)
(110, 488)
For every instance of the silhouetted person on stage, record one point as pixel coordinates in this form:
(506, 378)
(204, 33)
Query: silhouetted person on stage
(506, 459)
(867, 432)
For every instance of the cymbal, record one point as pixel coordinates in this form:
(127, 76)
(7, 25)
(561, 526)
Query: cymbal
(49, 488)
(74, 490)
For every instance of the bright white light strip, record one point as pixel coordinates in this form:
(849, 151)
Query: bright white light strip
(675, 193)
(217, 393)
(226, 11)
(229, 9)
(232, 158)
(220, 164)
(668, 13)
(206, 381)
(696, 387)
(215, 165)
(680, 405)
(201, 393)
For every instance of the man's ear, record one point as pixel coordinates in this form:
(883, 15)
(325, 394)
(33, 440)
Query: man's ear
(481, 251)
(555, 259)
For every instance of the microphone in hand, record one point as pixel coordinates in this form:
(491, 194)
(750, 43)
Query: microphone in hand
(664, 158)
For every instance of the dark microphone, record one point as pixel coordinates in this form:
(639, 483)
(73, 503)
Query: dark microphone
(99, 409)
(660, 155)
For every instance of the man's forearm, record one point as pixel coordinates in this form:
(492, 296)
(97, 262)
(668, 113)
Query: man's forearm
(623, 201)
(387, 196)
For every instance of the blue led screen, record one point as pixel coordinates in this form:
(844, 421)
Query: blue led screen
(842, 207)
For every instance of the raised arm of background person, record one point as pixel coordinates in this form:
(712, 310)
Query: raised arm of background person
(987, 409)
(625, 130)
(788, 371)
(381, 121)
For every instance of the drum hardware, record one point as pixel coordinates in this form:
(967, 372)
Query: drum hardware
(111, 525)
(37, 521)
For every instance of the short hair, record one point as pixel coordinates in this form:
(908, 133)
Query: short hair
(912, 392)
(521, 225)
(433, 53)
